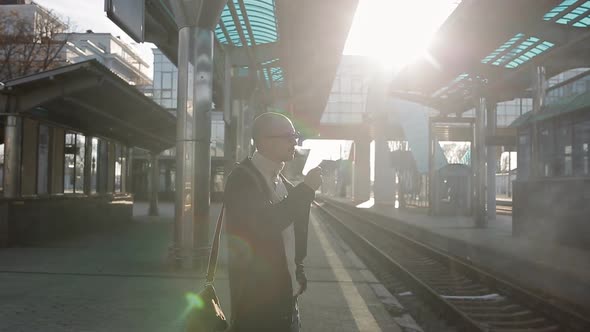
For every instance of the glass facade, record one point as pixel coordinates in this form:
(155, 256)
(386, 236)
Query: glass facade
(217, 134)
(508, 111)
(347, 100)
(165, 81)
(563, 147)
(165, 94)
(74, 151)
(43, 160)
(569, 89)
(563, 129)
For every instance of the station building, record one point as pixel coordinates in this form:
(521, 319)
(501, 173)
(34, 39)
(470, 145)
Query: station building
(67, 136)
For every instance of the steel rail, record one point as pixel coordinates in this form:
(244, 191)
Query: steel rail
(566, 318)
(414, 283)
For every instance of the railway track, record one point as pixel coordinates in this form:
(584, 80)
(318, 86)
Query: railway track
(468, 298)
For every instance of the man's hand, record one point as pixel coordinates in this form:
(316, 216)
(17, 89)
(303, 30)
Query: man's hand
(301, 279)
(313, 179)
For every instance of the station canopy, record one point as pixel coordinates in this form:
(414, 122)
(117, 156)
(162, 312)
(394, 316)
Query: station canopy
(293, 47)
(492, 48)
(89, 98)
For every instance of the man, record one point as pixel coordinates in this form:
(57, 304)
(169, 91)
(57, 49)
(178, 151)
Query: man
(260, 205)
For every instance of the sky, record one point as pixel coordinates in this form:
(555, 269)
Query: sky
(392, 31)
(395, 32)
(90, 15)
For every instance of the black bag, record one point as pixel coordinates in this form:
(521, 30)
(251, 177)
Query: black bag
(206, 315)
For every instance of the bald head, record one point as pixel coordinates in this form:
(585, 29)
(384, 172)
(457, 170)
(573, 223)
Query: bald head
(274, 136)
(270, 124)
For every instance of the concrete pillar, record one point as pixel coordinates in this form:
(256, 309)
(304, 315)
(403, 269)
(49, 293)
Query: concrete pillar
(154, 184)
(539, 90)
(491, 160)
(479, 164)
(129, 170)
(12, 156)
(361, 185)
(384, 185)
(377, 106)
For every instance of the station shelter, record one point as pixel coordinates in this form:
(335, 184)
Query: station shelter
(67, 135)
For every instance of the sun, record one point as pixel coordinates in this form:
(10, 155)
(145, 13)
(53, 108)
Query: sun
(396, 32)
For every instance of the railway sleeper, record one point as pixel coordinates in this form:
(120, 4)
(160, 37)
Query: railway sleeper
(463, 285)
(490, 309)
(527, 323)
(551, 328)
(520, 315)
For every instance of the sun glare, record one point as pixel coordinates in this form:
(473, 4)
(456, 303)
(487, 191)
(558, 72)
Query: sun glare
(324, 149)
(396, 32)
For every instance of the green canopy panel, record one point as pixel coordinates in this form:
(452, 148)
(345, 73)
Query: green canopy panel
(257, 21)
(567, 13)
(517, 50)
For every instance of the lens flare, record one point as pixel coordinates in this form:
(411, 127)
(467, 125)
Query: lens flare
(194, 301)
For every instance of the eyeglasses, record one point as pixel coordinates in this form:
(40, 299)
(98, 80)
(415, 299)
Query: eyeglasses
(295, 136)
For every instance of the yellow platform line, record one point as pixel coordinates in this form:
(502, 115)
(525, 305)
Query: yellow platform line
(363, 318)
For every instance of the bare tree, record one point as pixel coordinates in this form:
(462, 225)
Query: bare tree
(30, 42)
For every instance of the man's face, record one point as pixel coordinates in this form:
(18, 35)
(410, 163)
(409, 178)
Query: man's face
(279, 141)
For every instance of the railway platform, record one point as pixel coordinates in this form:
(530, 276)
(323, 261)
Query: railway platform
(548, 268)
(120, 280)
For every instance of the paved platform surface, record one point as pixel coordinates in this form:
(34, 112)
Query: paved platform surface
(121, 281)
(548, 267)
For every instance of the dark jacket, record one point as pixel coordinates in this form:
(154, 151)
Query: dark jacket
(260, 283)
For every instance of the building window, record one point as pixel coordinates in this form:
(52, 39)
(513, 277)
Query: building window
(563, 145)
(217, 134)
(43, 160)
(546, 148)
(118, 168)
(524, 154)
(2, 167)
(74, 163)
(581, 147)
(357, 85)
(102, 166)
(94, 166)
(336, 85)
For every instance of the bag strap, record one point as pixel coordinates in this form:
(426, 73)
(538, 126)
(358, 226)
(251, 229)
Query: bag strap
(212, 265)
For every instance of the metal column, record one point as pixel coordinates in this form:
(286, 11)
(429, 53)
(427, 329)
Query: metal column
(479, 164)
(202, 59)
(196, 20)
(154, 184)
(229, 144)
(491, 160)
(129, 170)
(431, 172)
(12, 156)
(87, 165)
(539, 90)
(193, 161)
